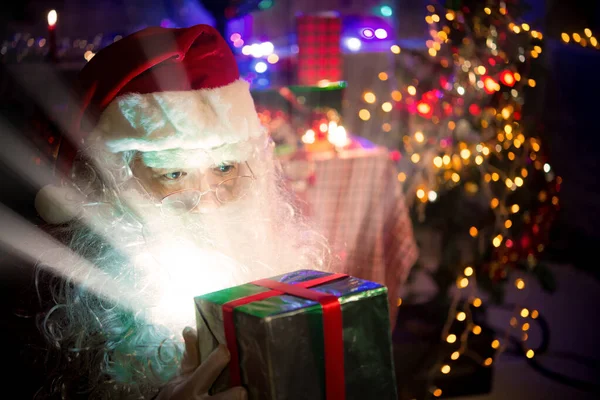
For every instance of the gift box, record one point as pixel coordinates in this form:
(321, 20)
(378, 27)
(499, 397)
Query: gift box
(302, 335)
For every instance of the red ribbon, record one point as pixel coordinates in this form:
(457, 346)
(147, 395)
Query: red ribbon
(335, 387)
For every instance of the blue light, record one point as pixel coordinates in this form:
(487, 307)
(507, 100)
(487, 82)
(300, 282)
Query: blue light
(386, 11)
(260, 67)
(262, 82)
(353, 44)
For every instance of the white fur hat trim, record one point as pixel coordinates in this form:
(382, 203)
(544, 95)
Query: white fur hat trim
(196, 119)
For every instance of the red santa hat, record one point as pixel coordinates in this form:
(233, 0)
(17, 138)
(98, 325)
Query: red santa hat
(175, 95)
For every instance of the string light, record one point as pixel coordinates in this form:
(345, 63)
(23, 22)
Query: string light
(469, 137)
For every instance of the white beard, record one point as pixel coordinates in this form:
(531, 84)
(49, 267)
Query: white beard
(179, 258)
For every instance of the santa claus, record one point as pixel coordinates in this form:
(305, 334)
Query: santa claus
(172, 192)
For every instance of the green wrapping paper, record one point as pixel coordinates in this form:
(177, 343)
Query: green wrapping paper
(281, 344)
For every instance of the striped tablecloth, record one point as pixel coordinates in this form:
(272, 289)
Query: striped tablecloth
(356, 201)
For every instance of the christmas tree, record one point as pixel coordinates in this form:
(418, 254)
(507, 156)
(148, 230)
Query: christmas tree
(474, 167)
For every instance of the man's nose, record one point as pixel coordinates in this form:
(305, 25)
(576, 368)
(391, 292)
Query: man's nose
(208, 202)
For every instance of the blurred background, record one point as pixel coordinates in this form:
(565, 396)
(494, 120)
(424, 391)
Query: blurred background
(468, 126)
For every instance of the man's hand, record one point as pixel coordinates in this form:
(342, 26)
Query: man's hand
(196, 379)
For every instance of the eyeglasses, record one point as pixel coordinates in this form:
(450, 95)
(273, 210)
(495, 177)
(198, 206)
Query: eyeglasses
(226, 191)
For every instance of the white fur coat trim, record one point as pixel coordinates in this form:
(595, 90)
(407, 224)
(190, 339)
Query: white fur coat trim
(197, 119)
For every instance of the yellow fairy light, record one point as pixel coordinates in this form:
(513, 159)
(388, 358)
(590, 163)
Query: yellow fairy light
(485, 151)
(442, 35)
(437, 392)
(555, 200)
(514, 208)
(445, 369)
(463, 283)
(399, 303)
(516, 29)
(420, 193)
(518, 181)
(455, 177)
(497, 241)
(435, 18)
(565, 37)
(531, 82)
(411, 90)
(396, 95)
(451, 338)
(508, 182)
(446, 159)
(520, 283)
(576, 37)
(369, 97)
(437, 161)
(495, 176)
(488, 361)
(387, 106)
(428, 19)
(525, 327)
(383, 76)
(535, 314)
(487, 10)
(537, 49)
(432, 195)
(587, 32)
(401, 176)
(495, 344)
(478, 160)
(432, 52)
(476, 329)
(461, 316)
(386, 127)
(465, 153)
(530, 353)
(507, 223)
(494, 203)
(511, 155)
(455, 355)
(450, 16)
(395, 49)
(525, 27)
(469, 270)
(415, 158)
(476, 302)
(364, 114)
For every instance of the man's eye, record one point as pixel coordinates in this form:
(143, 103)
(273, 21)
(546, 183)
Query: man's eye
(224, 168)
(175, 175)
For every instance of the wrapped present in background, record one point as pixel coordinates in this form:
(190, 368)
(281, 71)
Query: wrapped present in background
(302, 335)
